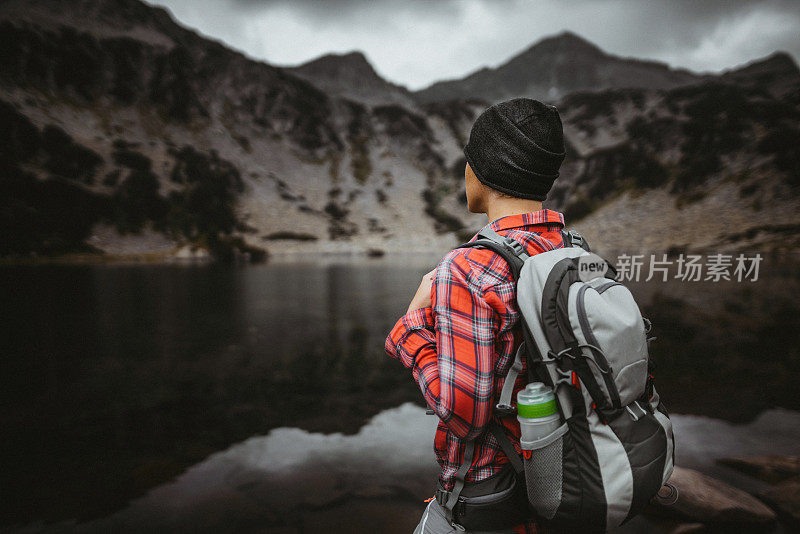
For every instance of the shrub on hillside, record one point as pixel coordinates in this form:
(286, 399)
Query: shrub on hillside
(137, 201)
(205, 205)
(68, 159)
(19, 138)
(50, 216)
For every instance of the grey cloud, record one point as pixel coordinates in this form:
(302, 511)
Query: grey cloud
(417, 42)
(330, 10)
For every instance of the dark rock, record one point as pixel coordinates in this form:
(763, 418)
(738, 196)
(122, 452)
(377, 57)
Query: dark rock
(689, 528)
(289, 236)
(712, 502)
(772, 469)
(785, 499)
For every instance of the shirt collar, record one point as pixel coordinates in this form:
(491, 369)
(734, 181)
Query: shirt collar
(545, 216)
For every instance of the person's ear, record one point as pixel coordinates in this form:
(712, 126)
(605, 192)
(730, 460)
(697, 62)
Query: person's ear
(476, 192)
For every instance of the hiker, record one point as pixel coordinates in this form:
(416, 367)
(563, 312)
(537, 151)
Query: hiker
(461, 330)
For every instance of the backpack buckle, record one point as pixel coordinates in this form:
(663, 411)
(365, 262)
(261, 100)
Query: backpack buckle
(514, 245)
(574, 239)
(505, 410)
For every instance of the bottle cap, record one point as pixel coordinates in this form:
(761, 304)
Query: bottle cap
(536, 400)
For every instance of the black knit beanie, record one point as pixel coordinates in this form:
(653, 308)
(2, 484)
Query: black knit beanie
(517, 147)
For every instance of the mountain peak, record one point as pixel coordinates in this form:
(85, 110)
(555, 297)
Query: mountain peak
(556, 66)
(335, 64)
(568, 36)
(351, 75)
(564, 42)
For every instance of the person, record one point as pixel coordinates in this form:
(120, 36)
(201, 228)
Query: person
(461, 330)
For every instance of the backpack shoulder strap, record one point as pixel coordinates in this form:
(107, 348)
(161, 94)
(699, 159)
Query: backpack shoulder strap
(509, 248)
(516, 247)
(504, 406)
(505, 444)
(450, 498)
(515, 255)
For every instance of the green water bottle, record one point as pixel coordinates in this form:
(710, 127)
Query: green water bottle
(537, 413)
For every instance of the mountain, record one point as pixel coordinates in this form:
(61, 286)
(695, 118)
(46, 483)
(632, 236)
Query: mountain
(352, 76)
(127, 134)
(555, 67)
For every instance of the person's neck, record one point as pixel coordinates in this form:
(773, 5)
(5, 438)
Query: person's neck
(503, 207)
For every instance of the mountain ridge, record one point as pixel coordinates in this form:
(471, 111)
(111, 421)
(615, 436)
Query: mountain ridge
(555, 66)
(120, 131)
(346, 74)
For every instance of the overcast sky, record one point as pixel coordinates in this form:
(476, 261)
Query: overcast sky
(417, 42)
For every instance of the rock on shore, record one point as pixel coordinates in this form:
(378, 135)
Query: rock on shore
(713, 502)
(785, 499)
(772, 469)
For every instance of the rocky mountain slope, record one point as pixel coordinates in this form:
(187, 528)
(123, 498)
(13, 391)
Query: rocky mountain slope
(705, 167)
(128, 133)
(554, 68)
(122, 122)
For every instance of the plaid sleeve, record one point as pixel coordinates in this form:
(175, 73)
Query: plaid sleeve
(456, 373)
(412, 333)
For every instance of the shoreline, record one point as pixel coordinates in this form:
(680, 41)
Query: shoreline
(171, 258)
(201, 257)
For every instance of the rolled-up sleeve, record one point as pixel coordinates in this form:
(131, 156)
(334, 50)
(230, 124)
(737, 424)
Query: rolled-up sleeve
(412, 332)
(450, 348)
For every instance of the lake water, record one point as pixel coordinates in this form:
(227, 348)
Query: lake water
(259, 398)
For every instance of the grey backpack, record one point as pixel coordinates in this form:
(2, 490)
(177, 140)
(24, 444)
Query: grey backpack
(584, 336)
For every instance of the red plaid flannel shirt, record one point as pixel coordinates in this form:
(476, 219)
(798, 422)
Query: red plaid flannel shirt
(460, 348)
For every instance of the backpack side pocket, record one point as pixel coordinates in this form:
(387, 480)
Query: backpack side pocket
(544, 460)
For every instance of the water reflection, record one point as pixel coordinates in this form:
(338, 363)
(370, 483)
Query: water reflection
(118, 378)
(296, 481)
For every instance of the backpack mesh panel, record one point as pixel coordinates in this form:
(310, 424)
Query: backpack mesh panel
(543, 477)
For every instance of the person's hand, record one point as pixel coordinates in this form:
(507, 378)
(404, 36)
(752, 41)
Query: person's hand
(422, 299)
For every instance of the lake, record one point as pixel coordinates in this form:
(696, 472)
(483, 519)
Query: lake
(188, 396)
